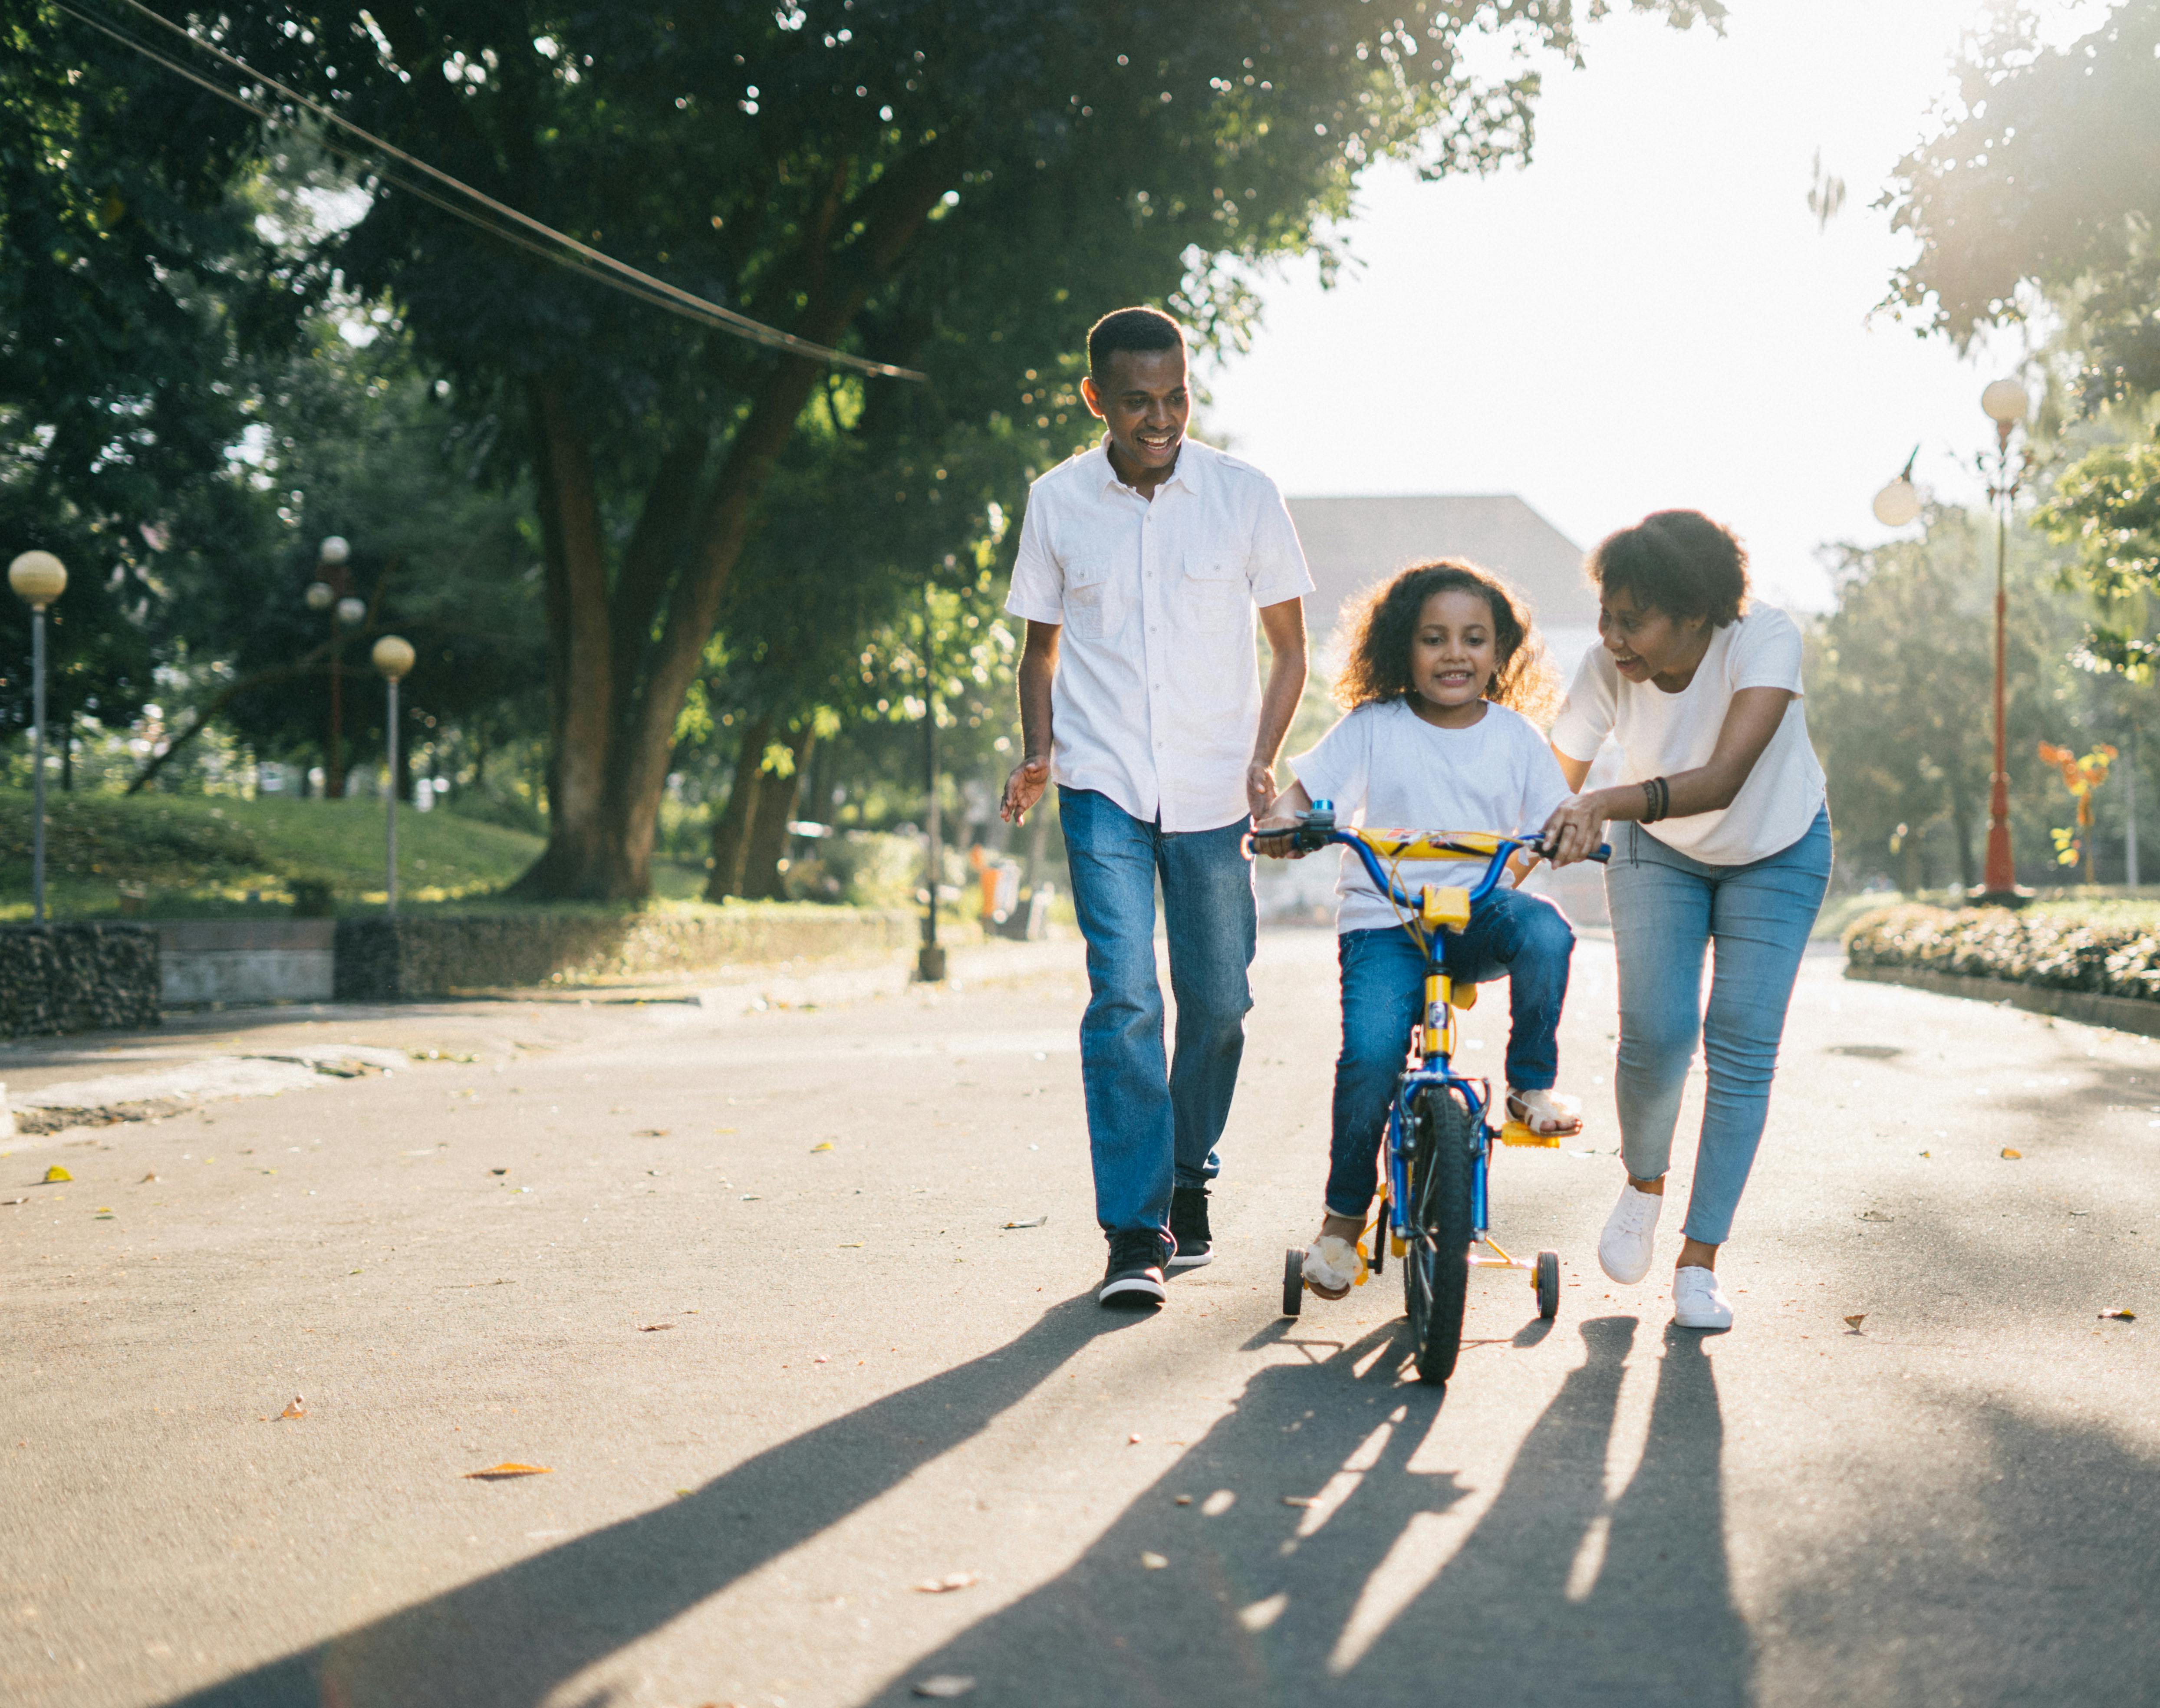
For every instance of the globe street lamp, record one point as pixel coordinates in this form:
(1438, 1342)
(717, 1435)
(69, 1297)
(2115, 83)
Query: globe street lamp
(393, 657)
(2005, 403)
(1899, 502)
(39, 578)
(327, 593)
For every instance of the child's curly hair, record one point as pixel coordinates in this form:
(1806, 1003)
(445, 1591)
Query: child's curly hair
(1381, 623)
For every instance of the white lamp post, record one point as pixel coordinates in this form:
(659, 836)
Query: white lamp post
(393, 657)
(2004, 403)
(39, 578)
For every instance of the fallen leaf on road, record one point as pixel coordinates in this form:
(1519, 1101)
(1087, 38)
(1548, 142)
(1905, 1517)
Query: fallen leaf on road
(655, 1327)
(943, 1686)
(55, 1174)
(2012, 1154)
(297, 1409)
(2118, 1317)
(1299, 1500)
(1854, 1322)
(1876, 1216)
(822, 1145)
(650, 1132)
(751, 1198)
(498, 1171)
(724, 1130)
(1038, 1222)
(1185, 1500)
(946, 1585)
(1927, 1152)
(851, 1245)
(507, 1469)
(145, 1179)
(1132, 1440)
(1152, 1562)
(15, 1201)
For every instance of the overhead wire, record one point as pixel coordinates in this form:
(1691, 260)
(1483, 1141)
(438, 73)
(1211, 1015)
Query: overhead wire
(581, 258)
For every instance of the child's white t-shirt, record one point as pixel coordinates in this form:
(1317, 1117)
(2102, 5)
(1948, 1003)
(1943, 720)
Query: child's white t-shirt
(1662, 733)
(1385, 766)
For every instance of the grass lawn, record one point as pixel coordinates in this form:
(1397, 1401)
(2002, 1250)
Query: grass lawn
(193, 856)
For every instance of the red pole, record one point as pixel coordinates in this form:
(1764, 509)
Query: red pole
(2001, 882)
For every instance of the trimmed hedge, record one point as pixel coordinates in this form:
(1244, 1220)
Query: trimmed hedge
(2044, 950)
(431, 954)
(76, 978)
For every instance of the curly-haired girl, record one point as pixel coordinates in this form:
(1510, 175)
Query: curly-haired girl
(1443, 666)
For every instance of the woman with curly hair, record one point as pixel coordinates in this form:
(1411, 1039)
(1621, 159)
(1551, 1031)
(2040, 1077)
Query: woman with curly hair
(1721, 838)
(1444, 671)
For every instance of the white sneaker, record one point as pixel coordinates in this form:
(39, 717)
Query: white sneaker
(1698, 1301)
(1624, 1249)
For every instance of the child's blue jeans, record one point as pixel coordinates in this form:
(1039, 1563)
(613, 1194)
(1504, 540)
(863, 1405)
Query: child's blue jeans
(1524, 937)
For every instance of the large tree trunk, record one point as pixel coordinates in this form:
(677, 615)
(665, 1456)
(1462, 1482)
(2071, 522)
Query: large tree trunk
(731, 828)
(762, 880)
(621, 662)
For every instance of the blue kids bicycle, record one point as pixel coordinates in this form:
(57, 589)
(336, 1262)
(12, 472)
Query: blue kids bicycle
(1434, 1206)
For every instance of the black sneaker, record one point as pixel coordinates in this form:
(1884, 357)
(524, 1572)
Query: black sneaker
(1134, 1280)
(1188, 1229)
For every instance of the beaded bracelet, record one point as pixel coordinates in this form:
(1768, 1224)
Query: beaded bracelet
(1657, 799)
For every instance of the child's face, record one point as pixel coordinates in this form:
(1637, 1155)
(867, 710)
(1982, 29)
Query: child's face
(1454, 652)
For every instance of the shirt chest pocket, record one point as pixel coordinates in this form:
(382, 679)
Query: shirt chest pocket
(1213, 594)
(1091, 598)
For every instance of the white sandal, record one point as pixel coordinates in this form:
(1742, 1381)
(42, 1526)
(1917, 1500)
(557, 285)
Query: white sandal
(1333, 1265)
(1547, 1114)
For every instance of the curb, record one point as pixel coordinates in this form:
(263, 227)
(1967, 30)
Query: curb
(2121, 1014)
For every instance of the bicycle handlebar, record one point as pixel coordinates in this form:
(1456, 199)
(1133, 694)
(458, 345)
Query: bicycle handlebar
(1317, 829)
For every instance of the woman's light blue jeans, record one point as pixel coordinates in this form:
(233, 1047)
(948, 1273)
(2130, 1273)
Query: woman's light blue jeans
(1152, 1122)
(1666, 910)
(1522, 938)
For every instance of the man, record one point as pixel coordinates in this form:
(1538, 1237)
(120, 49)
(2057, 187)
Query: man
(1140, 563)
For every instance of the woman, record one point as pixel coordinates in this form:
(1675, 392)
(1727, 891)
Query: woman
(1720, 835)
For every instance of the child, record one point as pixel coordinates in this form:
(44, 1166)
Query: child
(1443, 664)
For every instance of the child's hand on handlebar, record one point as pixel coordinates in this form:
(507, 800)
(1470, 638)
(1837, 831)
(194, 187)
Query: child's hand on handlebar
(1574, 830)
(1280, 847)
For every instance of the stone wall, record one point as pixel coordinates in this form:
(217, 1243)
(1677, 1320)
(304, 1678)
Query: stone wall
(76, 978)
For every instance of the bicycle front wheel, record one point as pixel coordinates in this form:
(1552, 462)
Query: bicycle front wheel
(1436, 1266)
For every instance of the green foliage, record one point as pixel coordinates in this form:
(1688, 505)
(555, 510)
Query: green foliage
(2046, 176)
(1900, 676)
(2105, 507)
(197, 854)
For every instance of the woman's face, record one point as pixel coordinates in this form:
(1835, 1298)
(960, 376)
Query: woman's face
(1646, 642)
(1454, 651)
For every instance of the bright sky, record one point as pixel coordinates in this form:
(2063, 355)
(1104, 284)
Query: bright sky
(1646, 316)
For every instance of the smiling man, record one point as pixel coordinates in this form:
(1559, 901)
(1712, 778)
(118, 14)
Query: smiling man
(1141, 564)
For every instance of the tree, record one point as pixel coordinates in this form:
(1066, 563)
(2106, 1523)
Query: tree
(957, 187)
(2045, 183)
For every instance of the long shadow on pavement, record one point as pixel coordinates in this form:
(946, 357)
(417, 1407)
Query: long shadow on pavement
(1375, 1594)
(506, 1640)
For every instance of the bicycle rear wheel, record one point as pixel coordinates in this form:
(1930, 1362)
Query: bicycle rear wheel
(1436, 1264)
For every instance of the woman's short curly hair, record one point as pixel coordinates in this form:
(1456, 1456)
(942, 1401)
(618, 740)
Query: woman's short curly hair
(1678, 561)
(1381, 624)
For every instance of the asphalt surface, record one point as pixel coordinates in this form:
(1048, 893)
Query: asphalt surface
(741, 1277)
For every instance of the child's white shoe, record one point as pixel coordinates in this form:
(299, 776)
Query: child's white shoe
(1333, 1265)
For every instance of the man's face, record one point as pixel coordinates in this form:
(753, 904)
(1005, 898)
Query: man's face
(1143, 402)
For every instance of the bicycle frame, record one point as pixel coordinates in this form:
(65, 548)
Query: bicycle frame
(1435, 914)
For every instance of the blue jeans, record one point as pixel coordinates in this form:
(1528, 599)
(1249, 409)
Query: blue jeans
(1666, 910)
(1523, 937)
(1152, 1122)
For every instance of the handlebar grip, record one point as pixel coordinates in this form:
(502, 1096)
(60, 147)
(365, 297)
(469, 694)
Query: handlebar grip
(1604, 852)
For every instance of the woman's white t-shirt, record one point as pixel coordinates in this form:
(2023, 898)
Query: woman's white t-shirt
(1385, 766)
(1662, 733)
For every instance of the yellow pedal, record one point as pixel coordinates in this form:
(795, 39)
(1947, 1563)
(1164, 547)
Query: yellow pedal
(1516, 1133)
(1398, 1245)
(1462, 998)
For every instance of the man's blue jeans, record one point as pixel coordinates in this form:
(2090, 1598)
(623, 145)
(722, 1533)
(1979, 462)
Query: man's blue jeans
(1152, 1122)
(1667, 908)
(1523, 938)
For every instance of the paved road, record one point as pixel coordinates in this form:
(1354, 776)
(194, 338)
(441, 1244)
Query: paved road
(780, 1384)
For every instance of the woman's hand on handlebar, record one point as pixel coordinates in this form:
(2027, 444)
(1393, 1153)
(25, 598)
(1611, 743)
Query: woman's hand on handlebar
(1574, 830)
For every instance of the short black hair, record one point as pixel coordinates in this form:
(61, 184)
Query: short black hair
(1676, 561)
(1130, 328)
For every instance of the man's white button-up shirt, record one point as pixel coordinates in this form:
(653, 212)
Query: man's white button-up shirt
(1157, 696)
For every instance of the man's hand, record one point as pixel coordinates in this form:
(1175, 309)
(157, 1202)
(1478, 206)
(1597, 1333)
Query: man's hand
(1259, 788)
(1280, 849)
(1576, 828)
(1024, 788)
